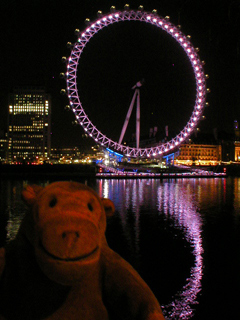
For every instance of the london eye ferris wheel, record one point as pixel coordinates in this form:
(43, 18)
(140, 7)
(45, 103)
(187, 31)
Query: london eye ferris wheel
(172, 31)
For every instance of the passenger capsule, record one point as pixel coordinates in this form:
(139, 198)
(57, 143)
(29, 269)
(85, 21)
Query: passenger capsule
(113, 9)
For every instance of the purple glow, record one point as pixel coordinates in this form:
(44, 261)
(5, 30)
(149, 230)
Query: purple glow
(184, 214)
(177, 203)
(74, 58)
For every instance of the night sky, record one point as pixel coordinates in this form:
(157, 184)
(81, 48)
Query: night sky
(33, 38)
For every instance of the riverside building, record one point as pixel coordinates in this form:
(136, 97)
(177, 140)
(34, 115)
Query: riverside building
(199, 154)
(29, 125)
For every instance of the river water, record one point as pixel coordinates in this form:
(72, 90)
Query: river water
(182, 236)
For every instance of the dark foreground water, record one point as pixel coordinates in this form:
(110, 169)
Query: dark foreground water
(183, 237)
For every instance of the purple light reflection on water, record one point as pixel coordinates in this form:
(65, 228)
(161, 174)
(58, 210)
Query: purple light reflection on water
(162, 204)
(176, 202)
(170, 199)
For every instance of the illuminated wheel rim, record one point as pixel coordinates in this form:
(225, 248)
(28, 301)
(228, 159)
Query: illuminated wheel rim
(72, 91)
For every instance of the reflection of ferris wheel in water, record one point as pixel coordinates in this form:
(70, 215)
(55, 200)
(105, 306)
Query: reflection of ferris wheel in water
(75, 104)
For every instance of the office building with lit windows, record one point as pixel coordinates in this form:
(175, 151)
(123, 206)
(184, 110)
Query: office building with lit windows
(29, 125)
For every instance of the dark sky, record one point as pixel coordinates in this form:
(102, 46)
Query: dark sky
(33, 38)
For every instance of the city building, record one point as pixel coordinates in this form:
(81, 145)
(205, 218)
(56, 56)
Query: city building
(75, 155)
(199, 154)
(3, 146)
(29, 125)
(65, 155)
(237, 151)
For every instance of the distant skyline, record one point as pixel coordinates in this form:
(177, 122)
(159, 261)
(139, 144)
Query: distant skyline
(34, 34)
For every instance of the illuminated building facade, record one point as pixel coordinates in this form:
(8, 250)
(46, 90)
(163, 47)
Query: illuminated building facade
(3, 146)
(237, 151)
(29, 125)
(199, 154)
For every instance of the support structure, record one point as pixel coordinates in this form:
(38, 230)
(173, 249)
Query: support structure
(136, 95)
